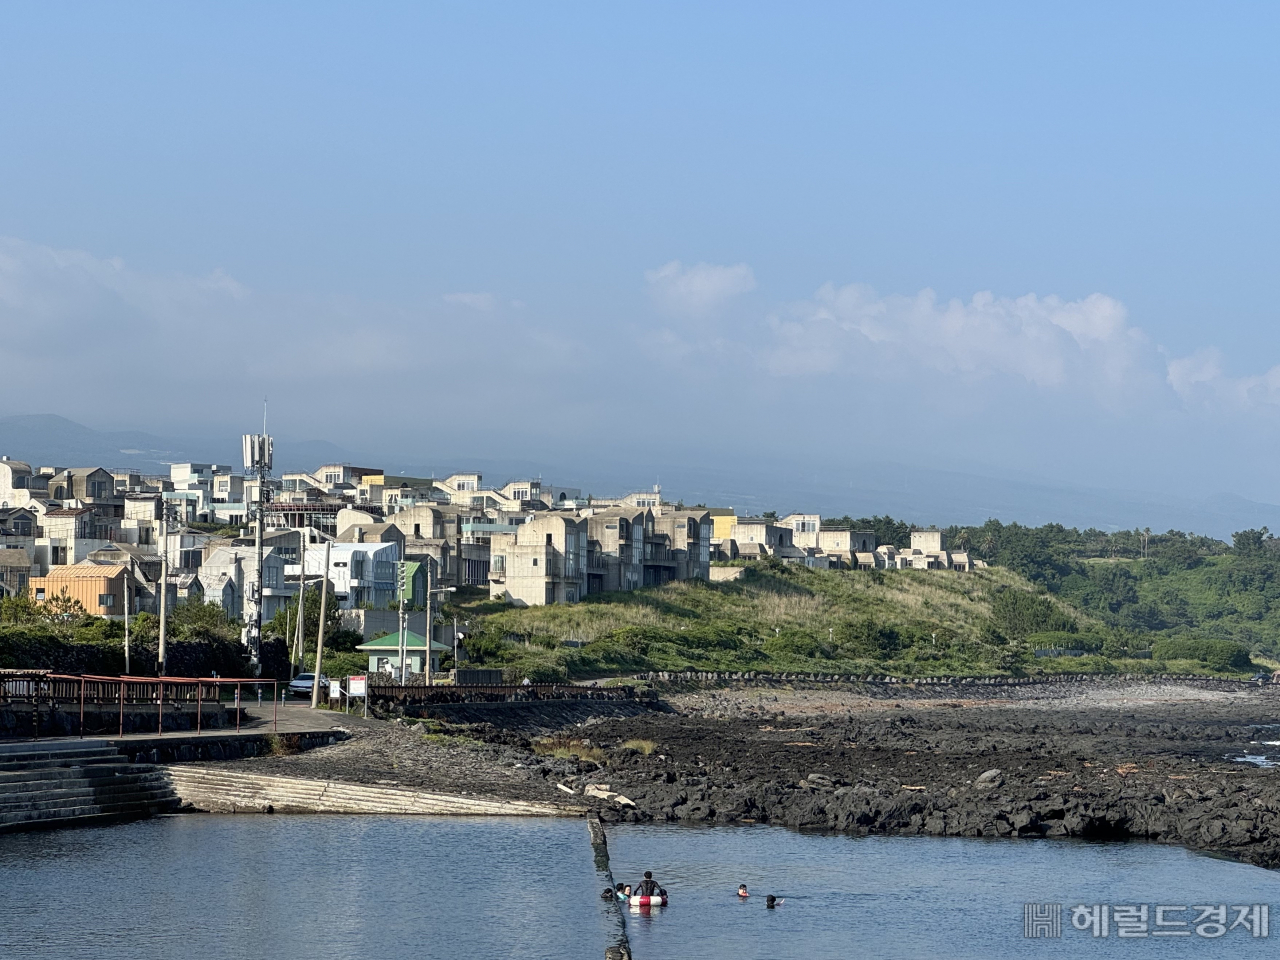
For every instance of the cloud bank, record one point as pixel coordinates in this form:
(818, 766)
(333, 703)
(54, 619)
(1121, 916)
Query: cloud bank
(699, 290)
(836, 381)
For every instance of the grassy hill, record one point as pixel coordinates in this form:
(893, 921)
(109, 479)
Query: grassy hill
(792, 618)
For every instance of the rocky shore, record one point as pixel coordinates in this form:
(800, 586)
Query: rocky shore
(1149, 761)
(1144, 762)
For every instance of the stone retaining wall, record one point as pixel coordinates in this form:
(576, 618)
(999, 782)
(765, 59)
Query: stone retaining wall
(19, 720)
(530, 716)
(185, 749)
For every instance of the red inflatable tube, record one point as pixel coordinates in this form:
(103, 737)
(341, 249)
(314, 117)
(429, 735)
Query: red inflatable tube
(639, 901)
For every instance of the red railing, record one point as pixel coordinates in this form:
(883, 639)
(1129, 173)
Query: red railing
(61, 688)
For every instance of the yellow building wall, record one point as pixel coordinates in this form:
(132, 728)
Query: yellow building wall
(88, 590)
(722, 527)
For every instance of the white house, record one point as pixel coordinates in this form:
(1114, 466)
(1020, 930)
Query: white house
(361, 573)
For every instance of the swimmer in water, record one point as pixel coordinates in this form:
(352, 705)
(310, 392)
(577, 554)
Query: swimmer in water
(771, 901)
(742, 890)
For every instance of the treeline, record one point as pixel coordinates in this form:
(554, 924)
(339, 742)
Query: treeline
(1137, 582)
(59, 635)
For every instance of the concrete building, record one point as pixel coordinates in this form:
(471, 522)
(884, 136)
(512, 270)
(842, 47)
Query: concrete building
(361, 573)
(543, 561)
(227, 571)
(615, 549)
(15, 571)
(844, 545)
(804, 529)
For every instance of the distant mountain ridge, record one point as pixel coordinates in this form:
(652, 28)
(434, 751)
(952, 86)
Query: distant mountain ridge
(922, 495)
(51, 440)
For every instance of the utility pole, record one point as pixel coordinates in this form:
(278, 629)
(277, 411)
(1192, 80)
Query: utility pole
(402, 578)
(164, 583)
(431, 619)
(126, 625)
(300, 629)
(324, 599)
(257, 449)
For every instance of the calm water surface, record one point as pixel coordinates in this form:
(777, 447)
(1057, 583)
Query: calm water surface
(899, 897)
(385, 888)
(202, 887)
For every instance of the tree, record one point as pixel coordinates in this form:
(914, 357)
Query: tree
(988, 544)
(1250, 542)
(63, 607)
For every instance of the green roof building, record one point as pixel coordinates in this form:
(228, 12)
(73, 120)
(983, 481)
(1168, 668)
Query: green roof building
(384, 653)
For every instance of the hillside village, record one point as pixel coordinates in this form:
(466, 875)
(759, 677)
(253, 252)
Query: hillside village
(102, 536)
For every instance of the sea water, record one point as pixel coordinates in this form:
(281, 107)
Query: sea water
(293, 887)
(900, 897)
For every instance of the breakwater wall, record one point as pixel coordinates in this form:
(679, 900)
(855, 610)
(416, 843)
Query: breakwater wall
(420, 694)
(619, 947)
(529, 716)
(965, 687)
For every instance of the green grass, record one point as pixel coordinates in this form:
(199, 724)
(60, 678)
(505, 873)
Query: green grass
(795, 619)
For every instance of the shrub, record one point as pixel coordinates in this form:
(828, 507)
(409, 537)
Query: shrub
(1016, 614)
(1216, 654)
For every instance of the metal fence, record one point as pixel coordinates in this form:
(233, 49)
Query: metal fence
(54, 689)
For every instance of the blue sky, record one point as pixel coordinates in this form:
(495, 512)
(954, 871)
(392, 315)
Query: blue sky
(1006, 239)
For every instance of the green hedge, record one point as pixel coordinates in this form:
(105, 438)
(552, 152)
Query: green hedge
(1216, 654)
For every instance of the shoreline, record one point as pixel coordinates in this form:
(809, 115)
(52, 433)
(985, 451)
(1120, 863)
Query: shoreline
(1141, 760)
(1136, 762)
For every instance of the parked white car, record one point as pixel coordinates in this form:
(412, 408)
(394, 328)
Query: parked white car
(300, 686)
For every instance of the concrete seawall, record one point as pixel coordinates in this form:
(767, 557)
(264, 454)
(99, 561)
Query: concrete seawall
(219, 791)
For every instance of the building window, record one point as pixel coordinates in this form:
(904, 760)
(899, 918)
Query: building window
(333, 478)
(535, 561)
(271, 577)
(106, 599)
(39, 593)
(499, 563)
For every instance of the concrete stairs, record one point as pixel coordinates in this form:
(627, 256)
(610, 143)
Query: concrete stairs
(76, 783)
(223, 791)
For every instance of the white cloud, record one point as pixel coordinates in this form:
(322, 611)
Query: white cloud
(1045, 341)
(1202, 382)
(698, 290)
(484, 302)
(79, 332)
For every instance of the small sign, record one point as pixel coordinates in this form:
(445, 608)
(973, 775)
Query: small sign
(356, 686)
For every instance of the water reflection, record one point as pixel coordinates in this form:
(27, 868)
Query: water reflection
(902, 897)
(292, 887)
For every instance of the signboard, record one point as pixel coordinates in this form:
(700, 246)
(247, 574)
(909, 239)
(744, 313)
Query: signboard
(356, 686)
